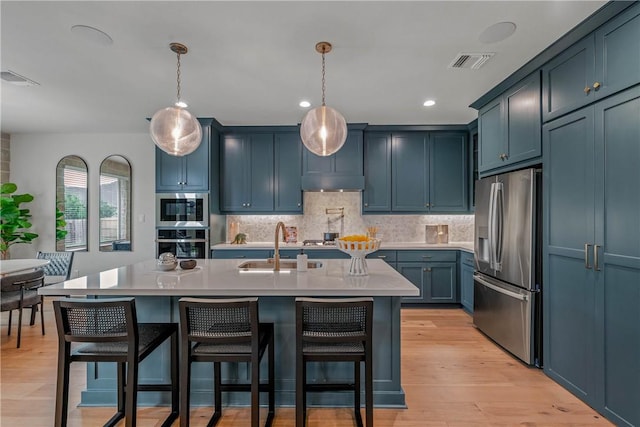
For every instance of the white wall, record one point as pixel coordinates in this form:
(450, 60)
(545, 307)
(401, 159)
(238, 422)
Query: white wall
(33, 168)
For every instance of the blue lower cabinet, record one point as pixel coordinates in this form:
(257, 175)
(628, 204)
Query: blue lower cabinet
(466, 281)
(433, 272)
(326, 254)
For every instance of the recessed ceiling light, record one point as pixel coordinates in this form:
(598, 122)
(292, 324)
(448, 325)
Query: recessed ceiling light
(92, 35)
(305, 104)
(429, 103)
(497, 32)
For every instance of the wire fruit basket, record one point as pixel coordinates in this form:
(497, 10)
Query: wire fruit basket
(358, 250)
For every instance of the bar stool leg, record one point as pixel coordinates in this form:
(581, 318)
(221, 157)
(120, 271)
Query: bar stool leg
(121, 384)
(131, 393)
(62, 387)
(175, 375)
(255, 392)
(356, 393)
(368, 384)
(217, 393)
(42, 315)
(300, 390)
(272, 386)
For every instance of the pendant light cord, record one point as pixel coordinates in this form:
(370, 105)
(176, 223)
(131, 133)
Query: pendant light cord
(178, 75)
(323, 86)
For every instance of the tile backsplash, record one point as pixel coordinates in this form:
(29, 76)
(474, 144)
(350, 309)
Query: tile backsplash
(315, 221)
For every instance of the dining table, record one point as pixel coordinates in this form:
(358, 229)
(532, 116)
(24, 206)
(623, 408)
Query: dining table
(9, 266)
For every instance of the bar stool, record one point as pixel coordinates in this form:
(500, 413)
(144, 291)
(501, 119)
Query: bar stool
(334, 330)
(109, 332)
(226, 330)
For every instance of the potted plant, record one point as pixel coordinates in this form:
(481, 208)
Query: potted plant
(14, 220)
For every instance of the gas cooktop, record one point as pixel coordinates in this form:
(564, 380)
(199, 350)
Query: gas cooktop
(318, 243)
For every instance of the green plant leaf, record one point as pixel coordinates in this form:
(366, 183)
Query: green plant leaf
(8, 188)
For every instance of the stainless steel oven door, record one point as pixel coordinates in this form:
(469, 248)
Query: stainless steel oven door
(183, 248)
(182, 210)
(505, 313)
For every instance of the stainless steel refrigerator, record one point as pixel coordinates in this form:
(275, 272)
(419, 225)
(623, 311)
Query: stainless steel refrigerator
(507, 282)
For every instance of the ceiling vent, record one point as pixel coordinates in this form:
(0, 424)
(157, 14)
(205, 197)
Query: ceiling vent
(470, 60)
(16, 79)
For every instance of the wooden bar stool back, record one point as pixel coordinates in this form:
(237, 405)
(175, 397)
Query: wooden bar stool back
(334, 330)
(226, 330)
(106, 330)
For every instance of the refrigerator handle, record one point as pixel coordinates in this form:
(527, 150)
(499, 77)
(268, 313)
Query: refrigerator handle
(492, 196)
(499, 217)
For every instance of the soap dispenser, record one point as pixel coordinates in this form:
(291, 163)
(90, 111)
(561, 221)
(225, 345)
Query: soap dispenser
(301, 261)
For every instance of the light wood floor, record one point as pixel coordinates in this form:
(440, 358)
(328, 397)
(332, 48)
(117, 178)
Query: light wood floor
(451, 373)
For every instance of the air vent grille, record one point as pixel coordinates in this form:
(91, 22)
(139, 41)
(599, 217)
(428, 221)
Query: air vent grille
(471, 61)
(16, 79)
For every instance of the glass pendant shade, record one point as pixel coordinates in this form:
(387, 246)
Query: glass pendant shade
(323, 131)
(175, 131)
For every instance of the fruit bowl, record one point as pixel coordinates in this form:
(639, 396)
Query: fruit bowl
(358, 247)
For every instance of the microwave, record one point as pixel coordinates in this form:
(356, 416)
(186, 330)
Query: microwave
(182, 209)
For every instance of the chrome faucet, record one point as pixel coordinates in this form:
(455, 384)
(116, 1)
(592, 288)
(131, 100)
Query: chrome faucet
(276, 254)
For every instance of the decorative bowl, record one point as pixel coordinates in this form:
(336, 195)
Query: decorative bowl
(188, 264)
(358, 250)
(166, 266)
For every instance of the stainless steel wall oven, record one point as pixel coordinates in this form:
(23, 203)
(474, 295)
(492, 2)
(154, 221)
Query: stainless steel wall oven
(183, 242)
(182, 210)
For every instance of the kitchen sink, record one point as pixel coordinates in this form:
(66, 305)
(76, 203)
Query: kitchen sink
(267, 265)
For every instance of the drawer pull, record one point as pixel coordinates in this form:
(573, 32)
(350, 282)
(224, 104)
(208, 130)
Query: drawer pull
(427, 256)
(382, 256)
(426, 270)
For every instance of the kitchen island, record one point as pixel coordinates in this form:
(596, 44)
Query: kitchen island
(157, 294)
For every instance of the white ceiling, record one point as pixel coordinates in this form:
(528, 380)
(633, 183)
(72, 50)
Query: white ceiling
(250, 63)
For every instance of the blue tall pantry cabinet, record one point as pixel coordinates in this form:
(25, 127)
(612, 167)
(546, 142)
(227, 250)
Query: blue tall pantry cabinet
(592, 254)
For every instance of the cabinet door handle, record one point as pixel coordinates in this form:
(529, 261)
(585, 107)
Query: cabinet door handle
(244, 205)
(299, 204)
(366, 205)
(426, 270)
(426, 205)
(596, 267)
(587, 89)
(248, 204)
(586, 256)
(596, 85)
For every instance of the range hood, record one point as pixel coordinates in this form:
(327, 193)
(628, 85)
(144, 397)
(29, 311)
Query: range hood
(332, 182)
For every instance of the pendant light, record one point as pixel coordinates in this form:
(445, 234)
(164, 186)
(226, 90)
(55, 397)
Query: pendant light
(323, 130)
(173, 129)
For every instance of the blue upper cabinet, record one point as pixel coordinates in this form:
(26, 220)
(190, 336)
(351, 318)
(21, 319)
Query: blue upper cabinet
(288, 173)
(247, 173)
(448, 184)
(599, 65)
(187, 173)
(429, 172)
(342, 170)
(376, 196)
(410, 172)
(261, 170)
(509, 129)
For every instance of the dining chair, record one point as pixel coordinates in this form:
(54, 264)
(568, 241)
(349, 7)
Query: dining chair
(334, 330)
(107, 330)
(59, 267)
(19, 291)
(226, 330)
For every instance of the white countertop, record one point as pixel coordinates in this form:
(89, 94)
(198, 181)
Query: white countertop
(466, 246)
(16, 265)
(219, 277)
